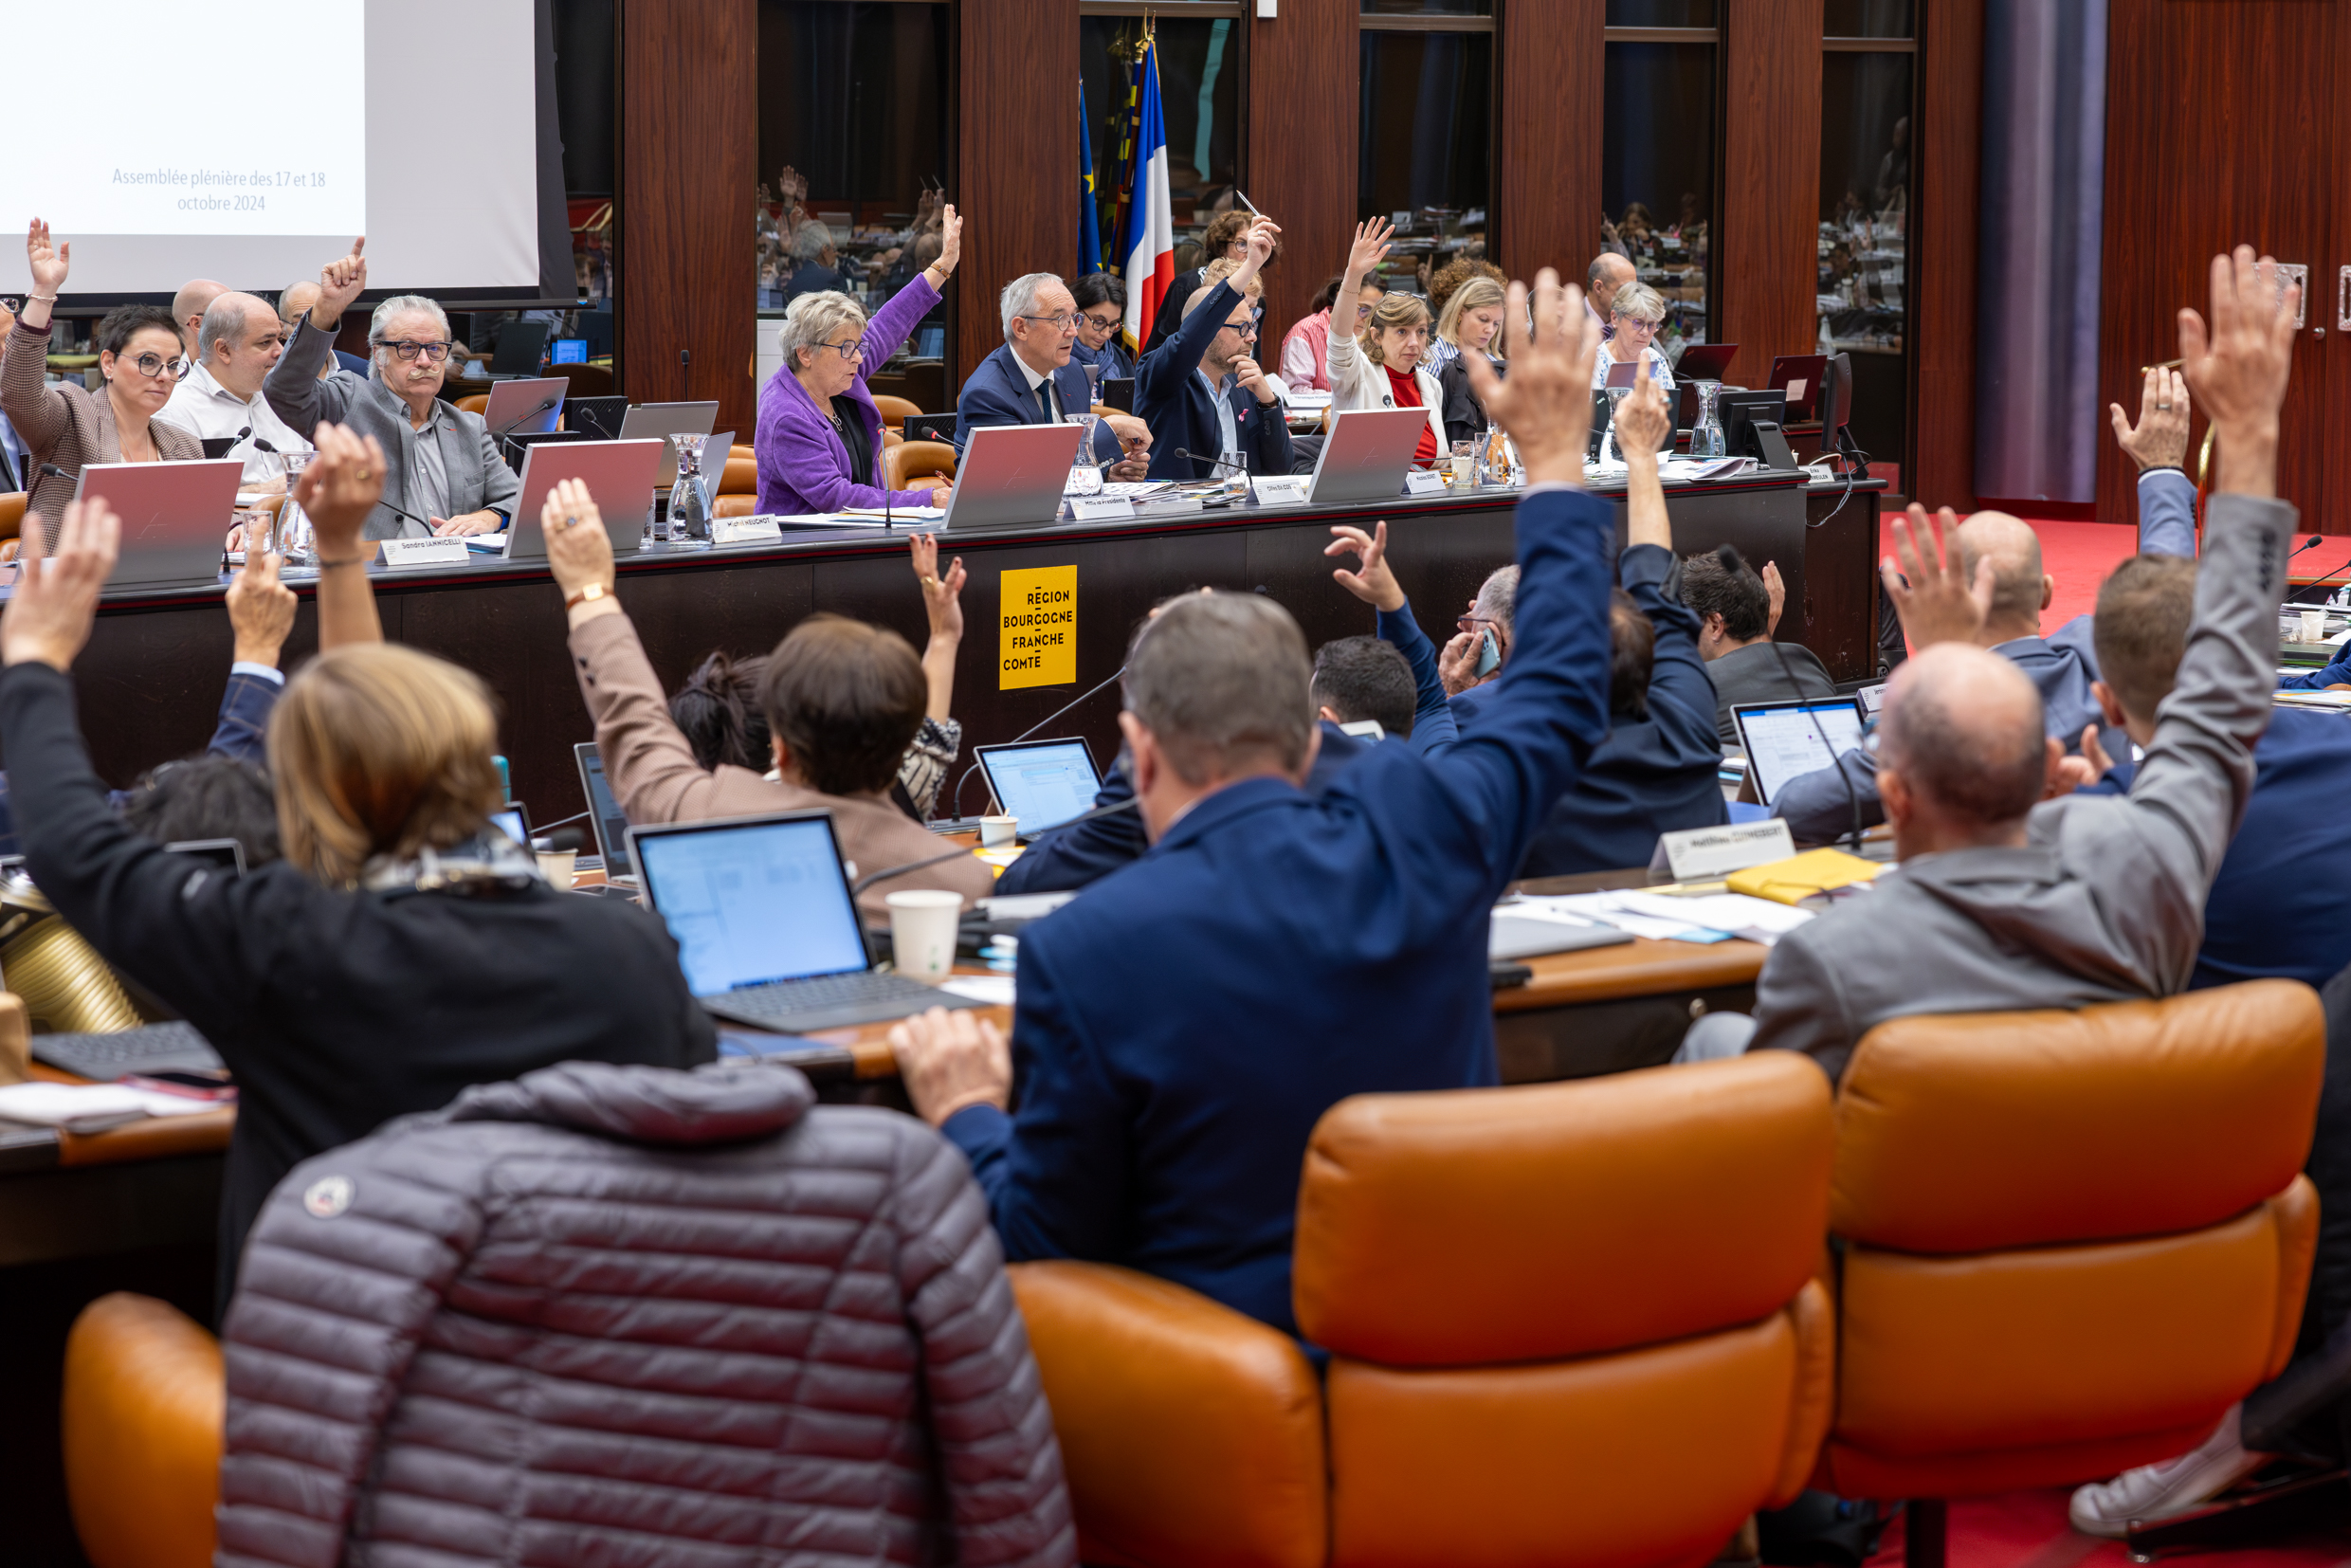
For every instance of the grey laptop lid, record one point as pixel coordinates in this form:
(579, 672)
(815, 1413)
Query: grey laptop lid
(1366, 454)
(1011, 475)
(175, 516)
(619, 475)
(515, 407)
(604, 813)
(667, 419)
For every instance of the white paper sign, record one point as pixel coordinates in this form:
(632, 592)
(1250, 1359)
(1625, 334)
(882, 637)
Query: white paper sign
(744, 530)
(1287, 491)
(406, 552)
(1424, 482)
(1102, 509)
(1169, 504)
(1701, 854)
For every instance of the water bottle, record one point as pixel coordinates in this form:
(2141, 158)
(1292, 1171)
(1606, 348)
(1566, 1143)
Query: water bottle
(296, 539)
(1705, 440)
(1085, 478)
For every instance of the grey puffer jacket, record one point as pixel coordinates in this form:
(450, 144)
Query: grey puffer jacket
(628, 1315)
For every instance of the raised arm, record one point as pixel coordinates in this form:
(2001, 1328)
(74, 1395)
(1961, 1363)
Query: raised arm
(338, 491)
(1374, 582)
(36, 409)
(1643, 426)
(942, 600)
(1342, 356)
(2158, 445)
(293, 386)
(260, 611)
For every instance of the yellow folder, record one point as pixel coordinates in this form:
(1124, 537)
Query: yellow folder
(1794, 880)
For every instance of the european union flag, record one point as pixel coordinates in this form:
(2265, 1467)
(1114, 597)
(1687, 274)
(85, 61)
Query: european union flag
(1089, 222)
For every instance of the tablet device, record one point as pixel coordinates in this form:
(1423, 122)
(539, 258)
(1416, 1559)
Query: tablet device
(619, 476)
(1784, 741)
(1366, 454)
(175, 516)
(1011, 475)
(1041, 784)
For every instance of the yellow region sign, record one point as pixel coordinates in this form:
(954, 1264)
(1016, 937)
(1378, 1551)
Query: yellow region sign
(1037, 629)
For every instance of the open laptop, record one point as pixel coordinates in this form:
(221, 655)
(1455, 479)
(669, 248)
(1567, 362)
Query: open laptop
(1011, 475)
(619, 475)
(767, 930)
(1366, 454)
(1799, 377)
(513, 821)
(666, 419)
(1784, 741)
(1041, 784)
(174, 517)
(604, 813)
(598, 418)
(1705, 361)
(532, 406)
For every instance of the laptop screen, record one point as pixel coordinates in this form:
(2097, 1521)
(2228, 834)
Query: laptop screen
(1043, 784)
(611, 824)
(753, 903)
(510, 822)
(1783, 739)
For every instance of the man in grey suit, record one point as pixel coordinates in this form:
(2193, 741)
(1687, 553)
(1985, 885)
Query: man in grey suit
(2004, 901)
(440, 466)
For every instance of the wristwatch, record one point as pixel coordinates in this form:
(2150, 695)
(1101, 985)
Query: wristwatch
(587, 595)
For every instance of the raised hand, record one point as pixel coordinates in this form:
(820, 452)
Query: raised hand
(950, 243)
(48, 260)
(1938, 605)
(340, 488)
(1262, 234)
(340, 281)
(1643, 426)
(48, 617)
(261, 609)
(2159, 440)
(579, 552)
(2239, 366)
(941, 595)
(1776, 592)
(1546, 405)
(1371, 581)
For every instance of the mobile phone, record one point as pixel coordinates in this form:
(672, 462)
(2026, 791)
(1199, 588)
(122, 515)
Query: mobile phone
(1490, 652)
(226, 853)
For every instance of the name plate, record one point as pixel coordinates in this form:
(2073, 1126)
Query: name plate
(1701, 854)
(1424, 482)
(1287, 491)
(1102, 508)
(406, 552)
(744, 530)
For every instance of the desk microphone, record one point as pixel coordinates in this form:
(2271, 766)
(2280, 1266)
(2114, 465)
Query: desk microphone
(51, 470)
(1219, 462)
(889, 872)
(262, 445)
(544, 404)
(1032, 729)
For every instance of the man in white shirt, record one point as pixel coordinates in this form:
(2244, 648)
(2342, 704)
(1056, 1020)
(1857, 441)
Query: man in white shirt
(221, 398)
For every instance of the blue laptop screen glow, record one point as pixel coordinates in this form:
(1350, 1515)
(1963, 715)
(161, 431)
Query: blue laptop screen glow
(755, 904)
(1042, 786)
(510, 823)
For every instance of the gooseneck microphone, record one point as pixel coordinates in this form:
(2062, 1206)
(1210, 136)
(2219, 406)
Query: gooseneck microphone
(262, 445)
(1219, 462)
(544, 404)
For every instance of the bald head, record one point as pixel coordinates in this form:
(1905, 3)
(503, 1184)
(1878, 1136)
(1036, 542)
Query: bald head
(194, 298)
(2021, 590)
(295, 302)
(1964, 727)
(1607, 273)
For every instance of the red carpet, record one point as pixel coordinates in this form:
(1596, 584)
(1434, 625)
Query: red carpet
(2078, 554)
(2029, 1530)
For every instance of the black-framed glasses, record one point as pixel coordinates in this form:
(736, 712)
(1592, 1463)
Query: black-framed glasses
(154, 365)
(1065, 321)
(1242, 330)
(1102, 323)
(854, 349)
(432, 354)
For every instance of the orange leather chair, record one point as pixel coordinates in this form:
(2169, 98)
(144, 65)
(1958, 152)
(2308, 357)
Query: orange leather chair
(11, 522)
(739, 487)
(478, 403)
(1570, 1322)
(2072, 1240)
(145, 1397)
(909, 461)
(894, 409)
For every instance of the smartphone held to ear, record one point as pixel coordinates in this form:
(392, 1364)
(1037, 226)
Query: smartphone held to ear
(1489, 653)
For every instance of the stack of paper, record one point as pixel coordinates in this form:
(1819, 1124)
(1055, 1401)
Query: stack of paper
(91, 1107)
(1666, 917)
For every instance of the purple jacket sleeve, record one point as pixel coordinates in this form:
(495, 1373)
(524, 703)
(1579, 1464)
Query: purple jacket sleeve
(802, 468)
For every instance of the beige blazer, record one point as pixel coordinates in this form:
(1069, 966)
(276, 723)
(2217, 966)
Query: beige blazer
(68, 425)
(655, 777)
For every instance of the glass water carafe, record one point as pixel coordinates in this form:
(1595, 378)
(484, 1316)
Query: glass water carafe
(1498, 458)
(295, 538)
(1705, 439)
(689, 516)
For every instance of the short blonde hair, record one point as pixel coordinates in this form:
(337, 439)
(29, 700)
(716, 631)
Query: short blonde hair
(1638, 303)
(1214, 273)
(379, 750)
(1476, 294)
(1393, 310)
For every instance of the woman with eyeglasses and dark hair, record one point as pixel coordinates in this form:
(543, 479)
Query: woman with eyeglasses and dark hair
(441, 466)
(141, 354)
(1102, 311)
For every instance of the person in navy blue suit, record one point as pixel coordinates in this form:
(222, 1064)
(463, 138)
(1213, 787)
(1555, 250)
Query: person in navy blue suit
(1182, 1026)
(1032, 381)
(1200, 391)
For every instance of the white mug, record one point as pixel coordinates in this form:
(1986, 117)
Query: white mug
(997, 832)
(922, 932)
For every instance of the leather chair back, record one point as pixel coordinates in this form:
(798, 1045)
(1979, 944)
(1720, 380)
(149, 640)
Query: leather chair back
(2073, 1238)
(894, 409)
(478, 403)
(145, 1398)
(1573, 1322)
(912, 460)
(13, 512)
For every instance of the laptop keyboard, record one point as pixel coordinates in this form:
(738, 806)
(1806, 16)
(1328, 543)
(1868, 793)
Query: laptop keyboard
(789, 999)
(174, 1044)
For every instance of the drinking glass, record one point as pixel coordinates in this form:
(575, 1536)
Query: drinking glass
(298, 539)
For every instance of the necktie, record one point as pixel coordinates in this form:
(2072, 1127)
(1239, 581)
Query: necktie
(1045, 401)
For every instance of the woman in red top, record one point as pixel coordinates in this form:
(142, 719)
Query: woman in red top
(1385, 365)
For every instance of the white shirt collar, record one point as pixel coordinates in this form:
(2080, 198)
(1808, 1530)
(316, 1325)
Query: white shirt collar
(207, 385)
(1034, 378)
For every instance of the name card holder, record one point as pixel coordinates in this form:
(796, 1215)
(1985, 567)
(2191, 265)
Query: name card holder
(726, 531)
(1704, 854)
(399, 555)
(1286, 490)
(1424, 482)
(1101, 508)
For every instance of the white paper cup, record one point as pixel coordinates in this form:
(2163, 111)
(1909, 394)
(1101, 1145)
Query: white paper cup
(997, 832)
(2314, 625)
(922, 932)
(557, 867)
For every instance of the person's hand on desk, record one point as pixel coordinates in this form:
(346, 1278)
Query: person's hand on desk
(1372, 580)
(340, 488)
(1937, 604)
(949, 1062)
(579, 553)
(261, 609)
(1547, 404)
(465, 523)
(2159, 440)
(49, 615)
(1135, 440)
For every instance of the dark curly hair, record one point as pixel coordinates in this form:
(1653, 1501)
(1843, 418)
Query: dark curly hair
(718, 711)
(124, 323)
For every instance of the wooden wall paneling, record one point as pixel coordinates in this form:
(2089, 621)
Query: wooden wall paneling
(1765, 245)
(1016, 155)
(1941, 468)
(1304, 67)
(2330, 299)
(1549, 71)
(690, 94)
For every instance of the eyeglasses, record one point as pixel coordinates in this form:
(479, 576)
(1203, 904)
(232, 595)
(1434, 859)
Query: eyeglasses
(1470, 623)
(1101, 323)
(1637, 327)
(1242, 330)
(154, 365)
(850, 350)
(1363, 314)
(1065, 321)
(432, 354)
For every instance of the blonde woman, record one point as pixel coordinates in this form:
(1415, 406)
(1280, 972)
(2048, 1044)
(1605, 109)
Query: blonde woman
(1382, 366)
(404, 948)
(1471, 325)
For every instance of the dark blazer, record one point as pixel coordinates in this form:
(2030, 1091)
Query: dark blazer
(336, 1011)
(1181, 1027)
(997, 393)
(1170, 316)
(1656, 772)
(1754, 674)
(1463, 415)
(1172, 398)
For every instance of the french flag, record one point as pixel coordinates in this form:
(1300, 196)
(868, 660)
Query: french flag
(1148, 245)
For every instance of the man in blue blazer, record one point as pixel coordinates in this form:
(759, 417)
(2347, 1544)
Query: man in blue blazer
(1032, 381)
(1200, 391)
(1182, 1026)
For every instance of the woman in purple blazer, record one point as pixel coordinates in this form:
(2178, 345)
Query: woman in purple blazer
(820, 436)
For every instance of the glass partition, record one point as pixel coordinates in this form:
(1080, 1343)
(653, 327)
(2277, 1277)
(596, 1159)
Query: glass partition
(1424, 136)
(1199, 95)
(1657, 164)
(1864, 240)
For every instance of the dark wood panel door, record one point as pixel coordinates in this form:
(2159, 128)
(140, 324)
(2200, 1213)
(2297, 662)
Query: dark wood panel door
(2225, 125)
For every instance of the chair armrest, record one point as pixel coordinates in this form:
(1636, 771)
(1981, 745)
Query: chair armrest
(1812, 1402)
(145, 1398)
(2295, 1213)
(1189, 1433)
